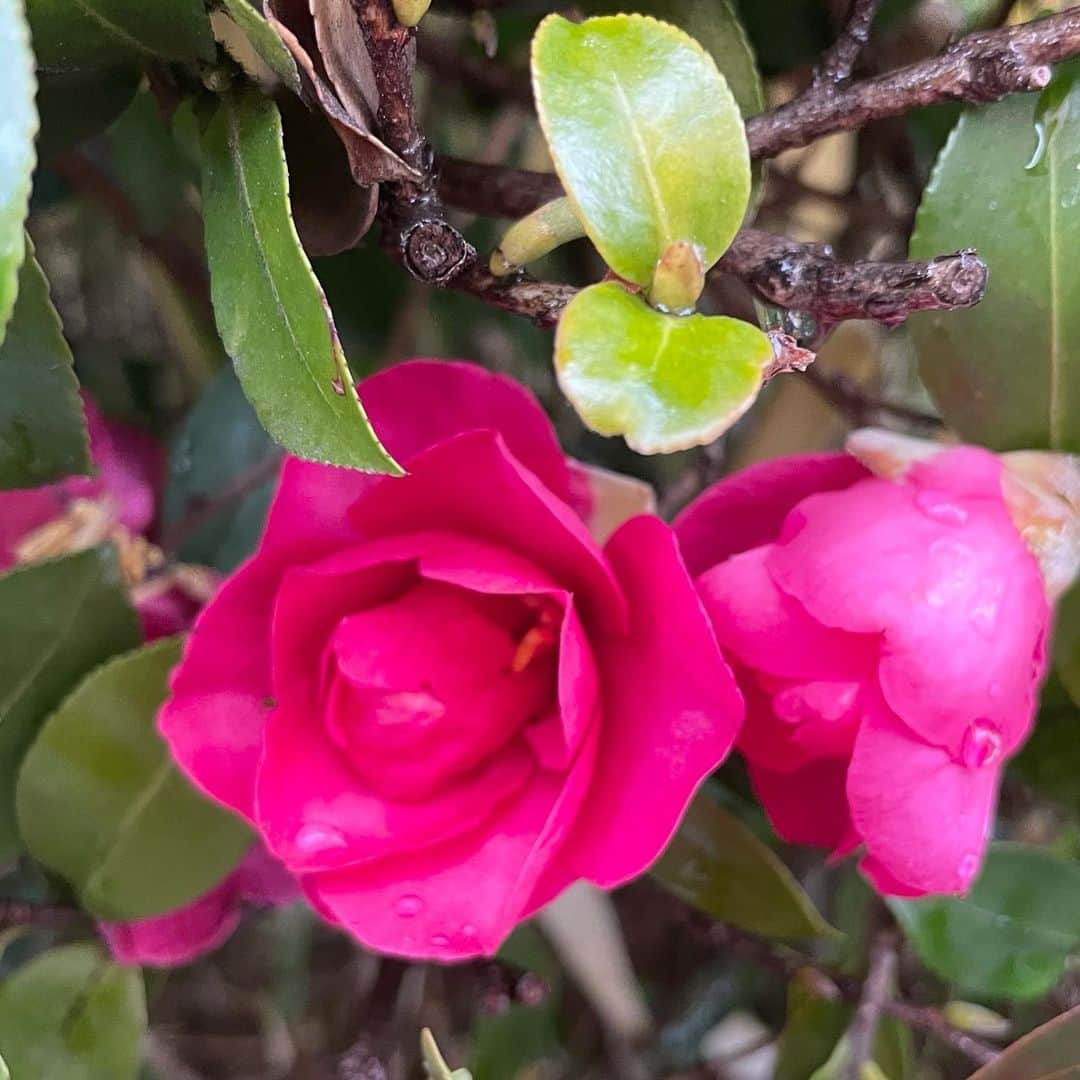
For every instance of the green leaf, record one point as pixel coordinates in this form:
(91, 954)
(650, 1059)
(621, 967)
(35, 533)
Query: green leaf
(435, 1066)
(102, 95)
(71, 1014)
(1067, 642)
(1011, 936)
(219, 443)
(264, 41)
(609, 93)
(1050, 759)
(270, 308)
(664, 382)
(18, 126)
(43, 434)
(1006, 373)
(101, 802)
(1048, 1052)
(58, 620)
(812, 1042)
(717, 864)
(97, 33)
(716, 26)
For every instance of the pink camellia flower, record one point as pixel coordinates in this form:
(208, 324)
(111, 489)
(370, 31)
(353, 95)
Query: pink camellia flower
(438, 700)
(888, 633)
(129, 468)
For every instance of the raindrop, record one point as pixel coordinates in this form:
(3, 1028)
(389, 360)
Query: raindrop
(468, 930)
(936, 506)
(981, 745)
(440, 941)
(408, 907)
(967, 867)
(316, 839)
(996, 690)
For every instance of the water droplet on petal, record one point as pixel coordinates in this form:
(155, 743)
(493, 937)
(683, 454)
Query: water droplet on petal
(981, 745)
(316, 839)
(468, 931)
(440, 941)
(939, 507)
(984, 614)
(408, 907)
(996, 690)
(967, 867)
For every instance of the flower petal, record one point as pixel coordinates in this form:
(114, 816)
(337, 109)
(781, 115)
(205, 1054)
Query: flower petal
(807, 806)
(925, 818)
(472, 484)
(770, 631)
(671, 713)
(747, 509)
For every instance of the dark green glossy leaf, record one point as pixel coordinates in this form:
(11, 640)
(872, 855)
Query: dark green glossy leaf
(1050, 759)
(96, 33)
(18, 126)
(270, 309)
(149, 163)
(609, 91)
(58, 620)
(1012, 935)
(264, 40)
(664, 382)
(1051, 1051)
(101, 802)
(102, 95)
(72, 1014)
(717, 864)
(1067, 642)
(1007, 372)
(43, 434)
(220, 442)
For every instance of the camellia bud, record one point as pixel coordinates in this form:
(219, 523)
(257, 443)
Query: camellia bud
(679, 279)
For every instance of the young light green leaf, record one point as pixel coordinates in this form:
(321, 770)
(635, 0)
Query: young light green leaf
(58, 620)
(264, 41)
(1007, 372)
(101, 803)
(609, 93)
(270, 309)
(43, 434)
(717, 864)
(716, 26)
(1011, 936)
(72, 1014)
(1048, 1053)
(18, 126)
(97, 33)
(664, 382)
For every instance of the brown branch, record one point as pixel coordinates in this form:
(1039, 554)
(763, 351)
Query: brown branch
(839, 61)
(790, 964)
(806, 277)
(786, 273)
(979, 68)
(875, 995)
(859, 407)
(930, 1021)
(483, 77)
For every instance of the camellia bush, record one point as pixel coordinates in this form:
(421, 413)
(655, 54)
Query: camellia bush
(539, 541)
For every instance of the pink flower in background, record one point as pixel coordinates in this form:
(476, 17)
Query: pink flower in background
(181, 936)
(129, 470)
(889, 637)
(436, 697)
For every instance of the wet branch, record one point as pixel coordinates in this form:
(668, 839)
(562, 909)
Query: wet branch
(979, 68)
(839, 61)
(875, 995)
